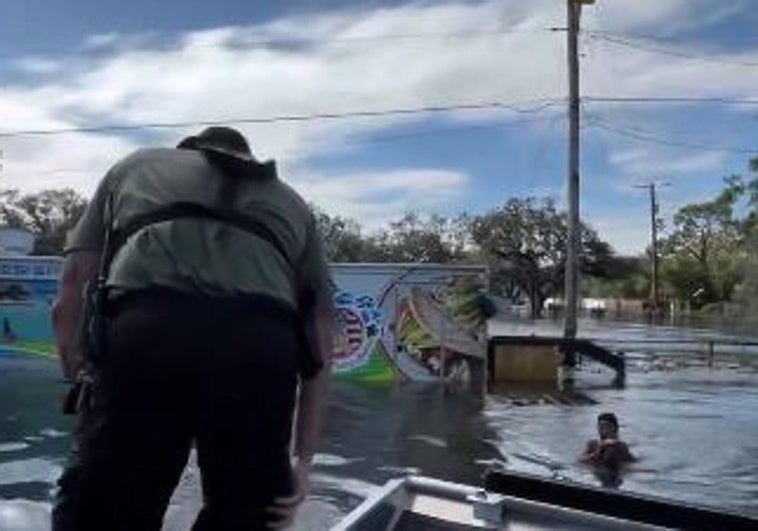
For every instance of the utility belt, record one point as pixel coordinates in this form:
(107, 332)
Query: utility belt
(99, 308)
(92, 343)
(241, 306)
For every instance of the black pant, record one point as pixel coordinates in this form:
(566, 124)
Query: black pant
(178, 371)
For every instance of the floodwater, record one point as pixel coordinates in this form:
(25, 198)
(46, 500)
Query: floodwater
(694, 429)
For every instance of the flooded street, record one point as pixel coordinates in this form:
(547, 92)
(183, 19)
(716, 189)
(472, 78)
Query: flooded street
(694, 430)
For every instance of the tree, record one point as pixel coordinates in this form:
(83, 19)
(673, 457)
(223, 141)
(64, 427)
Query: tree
(704, 255)
(626, 277)
(527, 239)
(750, 189)
(746, 294)
(412, 239)
(49, 214)
(342, 239)
(11, 214)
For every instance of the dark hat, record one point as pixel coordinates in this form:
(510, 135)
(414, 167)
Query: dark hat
(228, 148)
(221, 140)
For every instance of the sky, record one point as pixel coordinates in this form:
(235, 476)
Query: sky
(88, 64)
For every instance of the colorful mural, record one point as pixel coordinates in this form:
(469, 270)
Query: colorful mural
(358, 352)
(28, 286)
(409, 321)
(395, 322)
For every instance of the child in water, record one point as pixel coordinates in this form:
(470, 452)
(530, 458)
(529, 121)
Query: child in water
(608, 454)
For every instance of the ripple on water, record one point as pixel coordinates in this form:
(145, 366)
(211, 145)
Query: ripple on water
(355, 487)
(428, 439)
(34, 470)
(52, 433)
(316, 513)
(24, 515)
(334, 460)
(402, 470)
(13, 446)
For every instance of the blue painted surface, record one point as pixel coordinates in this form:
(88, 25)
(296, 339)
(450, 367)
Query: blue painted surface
(28, 286)
(30, 321)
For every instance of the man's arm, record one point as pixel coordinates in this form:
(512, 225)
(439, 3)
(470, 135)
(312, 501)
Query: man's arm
(625, 456)
(79, 268)
(590, 452)
(314, 392)
(83, 247)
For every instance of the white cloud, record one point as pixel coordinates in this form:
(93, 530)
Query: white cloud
(378, 197)
(38, 65)
(628, 235)
(556, 193)
(661, 17)
(646, 163)
(335, 62)
(101, 40)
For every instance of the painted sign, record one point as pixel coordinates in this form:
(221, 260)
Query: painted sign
(28, 287)
(394, 321)
(409, 321)
(30, 268)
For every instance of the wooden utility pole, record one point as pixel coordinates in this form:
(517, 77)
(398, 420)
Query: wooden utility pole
(654, 284)
(654, 247)
(573, 241)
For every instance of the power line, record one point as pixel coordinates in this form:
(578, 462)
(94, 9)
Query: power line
(445, 130)
(537, 106)
(518, 107)
(664, 99)
(659, 49)
(646, 136)
(376, 139)
(651, 186)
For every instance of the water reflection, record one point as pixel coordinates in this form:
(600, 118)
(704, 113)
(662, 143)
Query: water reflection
(610, 478)
(694, 430)
(421, 428)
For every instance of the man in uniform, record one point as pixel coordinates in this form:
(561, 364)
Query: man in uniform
(215, 309)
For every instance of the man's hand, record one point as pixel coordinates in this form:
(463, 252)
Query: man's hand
(71, 361)
(79, 268)
(285, 508)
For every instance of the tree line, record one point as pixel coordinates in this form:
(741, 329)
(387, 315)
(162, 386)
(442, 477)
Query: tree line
(707, 251)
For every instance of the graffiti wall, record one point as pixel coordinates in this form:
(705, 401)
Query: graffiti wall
(395, 321)
(414, 322)
(28, 286)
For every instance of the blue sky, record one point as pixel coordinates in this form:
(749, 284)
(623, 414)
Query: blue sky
(92, 63)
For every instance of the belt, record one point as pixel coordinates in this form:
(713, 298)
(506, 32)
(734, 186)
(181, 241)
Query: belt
(246, 304)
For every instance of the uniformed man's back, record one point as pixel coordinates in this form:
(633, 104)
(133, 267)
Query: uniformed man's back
(192, 255)
(213, 298)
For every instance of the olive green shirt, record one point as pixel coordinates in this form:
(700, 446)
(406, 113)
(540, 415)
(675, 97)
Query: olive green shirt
(199, 255)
